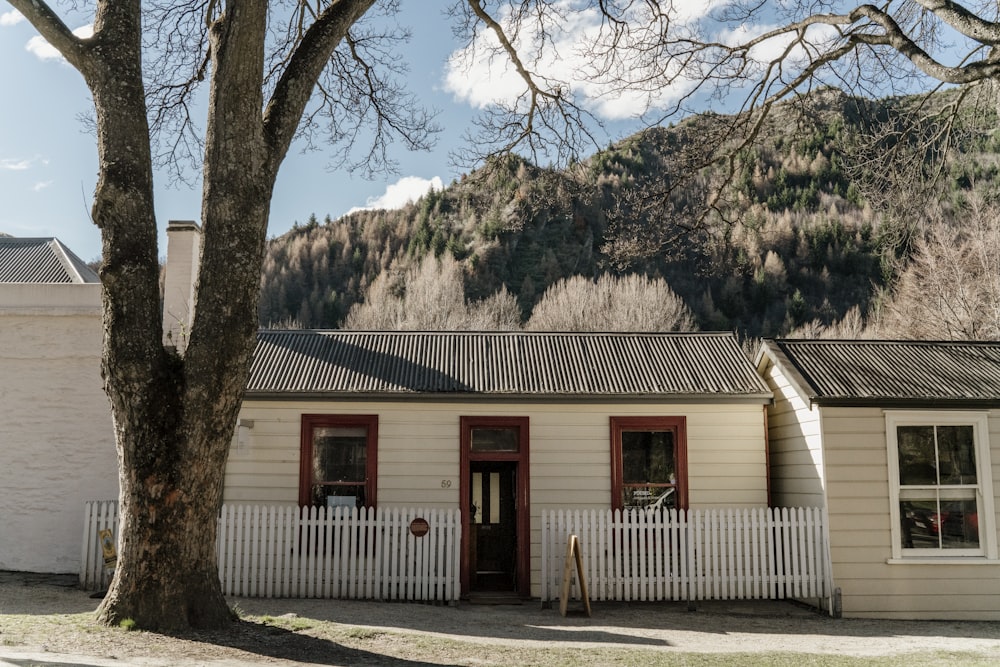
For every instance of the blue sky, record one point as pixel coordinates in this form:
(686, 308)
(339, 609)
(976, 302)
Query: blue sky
(48, 164)
(48, 161)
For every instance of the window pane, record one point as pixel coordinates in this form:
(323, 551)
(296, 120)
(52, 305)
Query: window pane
(916, 455)
(339, 454)
(920, 524)
(959, 524)
(477, 497)
(952, 524)
(494, 439)
(648, 457)
(652, 497)
(339, 495)
(956, 455)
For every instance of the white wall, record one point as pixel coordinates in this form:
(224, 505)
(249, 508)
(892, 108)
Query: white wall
(569, 453)
(57, 439)
(795, 444)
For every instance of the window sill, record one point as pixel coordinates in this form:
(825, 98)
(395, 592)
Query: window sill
(947, 560)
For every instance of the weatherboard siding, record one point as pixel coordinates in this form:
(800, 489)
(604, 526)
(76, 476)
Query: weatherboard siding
(860, 534)
(795, 444)
(569, 453)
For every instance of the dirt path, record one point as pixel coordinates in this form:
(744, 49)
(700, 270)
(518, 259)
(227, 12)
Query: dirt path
(45, 621)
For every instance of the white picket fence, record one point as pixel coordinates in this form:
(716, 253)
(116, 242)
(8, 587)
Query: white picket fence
(318, 552)
(692, 555)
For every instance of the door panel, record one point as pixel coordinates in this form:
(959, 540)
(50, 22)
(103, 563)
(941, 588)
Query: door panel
(493, 525)
(494, 467)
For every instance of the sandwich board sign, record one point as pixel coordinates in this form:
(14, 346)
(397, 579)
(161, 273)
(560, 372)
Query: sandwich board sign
(107, 540)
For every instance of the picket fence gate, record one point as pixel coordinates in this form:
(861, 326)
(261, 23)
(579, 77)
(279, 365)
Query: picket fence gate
(728, 554)
(317, 552)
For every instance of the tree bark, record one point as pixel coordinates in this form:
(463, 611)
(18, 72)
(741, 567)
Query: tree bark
(166, 576)
(174, 415)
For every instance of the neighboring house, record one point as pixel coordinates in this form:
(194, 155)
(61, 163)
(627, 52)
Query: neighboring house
(900, 442)
(57, 439)
(501, 425)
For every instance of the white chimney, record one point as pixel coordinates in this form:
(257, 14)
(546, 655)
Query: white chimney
(183, 260)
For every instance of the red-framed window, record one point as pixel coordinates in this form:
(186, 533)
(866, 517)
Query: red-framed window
(339, 460)
(649, 463)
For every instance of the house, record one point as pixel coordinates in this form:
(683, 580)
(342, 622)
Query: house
(57, 439)
(900, 442)
(502, 425)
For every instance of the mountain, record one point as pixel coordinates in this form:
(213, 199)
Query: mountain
(802, 232)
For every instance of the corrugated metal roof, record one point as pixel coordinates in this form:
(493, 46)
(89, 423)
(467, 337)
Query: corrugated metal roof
(503, 364)
(41, 260)
(893, 372)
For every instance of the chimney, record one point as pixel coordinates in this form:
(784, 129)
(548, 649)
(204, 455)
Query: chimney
(183, 259)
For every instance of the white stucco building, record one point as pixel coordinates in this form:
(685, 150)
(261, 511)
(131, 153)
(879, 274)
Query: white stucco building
(57, 438)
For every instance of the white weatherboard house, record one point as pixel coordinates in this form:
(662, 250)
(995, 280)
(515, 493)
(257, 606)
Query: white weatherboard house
(57, 439)
(417, 465)
(900, 442)
(501, 426)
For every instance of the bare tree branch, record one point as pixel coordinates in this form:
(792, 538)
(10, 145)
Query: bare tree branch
(295, 86)
(51, 27)
(961, 19)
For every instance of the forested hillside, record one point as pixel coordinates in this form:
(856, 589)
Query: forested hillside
(811, 227)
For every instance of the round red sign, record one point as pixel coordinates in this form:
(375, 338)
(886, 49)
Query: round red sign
(419, 527)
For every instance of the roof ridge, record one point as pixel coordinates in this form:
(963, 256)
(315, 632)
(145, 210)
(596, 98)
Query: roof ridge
(881, 341)
(486, 332)
(77, 269)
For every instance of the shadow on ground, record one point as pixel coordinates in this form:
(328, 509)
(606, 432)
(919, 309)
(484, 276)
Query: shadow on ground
(43, 594)
(266, 640)
(636, 623)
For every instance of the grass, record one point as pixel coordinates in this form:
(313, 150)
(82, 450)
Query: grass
(292, 623)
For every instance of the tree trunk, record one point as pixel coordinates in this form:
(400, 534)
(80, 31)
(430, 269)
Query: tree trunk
(174, 416)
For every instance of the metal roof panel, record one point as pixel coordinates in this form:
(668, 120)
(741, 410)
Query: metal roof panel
(894, 371)
(502, 363)
(41, 260)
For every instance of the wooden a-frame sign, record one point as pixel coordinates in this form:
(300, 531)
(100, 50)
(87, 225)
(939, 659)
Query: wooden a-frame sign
(573, 554)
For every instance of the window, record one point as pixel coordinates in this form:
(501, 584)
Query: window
(648, 463)
(339, 460)
(940, 485)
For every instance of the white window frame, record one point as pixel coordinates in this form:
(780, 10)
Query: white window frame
(979, 421)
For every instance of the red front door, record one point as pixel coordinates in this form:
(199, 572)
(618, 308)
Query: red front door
(494, 492)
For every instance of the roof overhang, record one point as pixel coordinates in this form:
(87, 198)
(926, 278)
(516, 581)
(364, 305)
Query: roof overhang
(730, 399)
(771, 353)
(909, 403)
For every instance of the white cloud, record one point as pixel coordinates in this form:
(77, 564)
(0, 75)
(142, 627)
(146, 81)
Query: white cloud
(41, 185)
(401, 193)
(45, 51)
(773, 49)
(478, 79)
(15, 165)
(13, 17)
